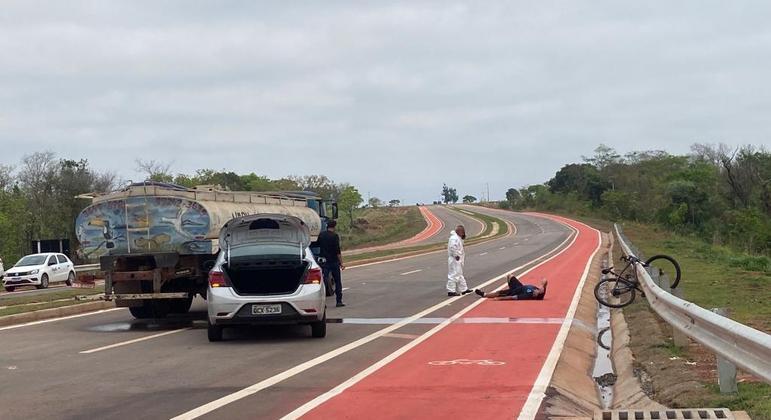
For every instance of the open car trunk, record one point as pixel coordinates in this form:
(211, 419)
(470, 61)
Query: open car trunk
(265, 253)
(261, 276)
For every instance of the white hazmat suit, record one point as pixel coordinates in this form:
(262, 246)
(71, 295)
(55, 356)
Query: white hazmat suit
(456, 283)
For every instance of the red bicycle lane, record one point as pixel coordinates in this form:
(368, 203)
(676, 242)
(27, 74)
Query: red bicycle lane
(483, 365)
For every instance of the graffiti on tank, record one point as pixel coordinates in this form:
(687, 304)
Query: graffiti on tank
(143, 224)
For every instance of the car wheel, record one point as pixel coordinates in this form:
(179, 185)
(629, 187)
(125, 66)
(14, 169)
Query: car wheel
(43, 282)
(180, 306)
(319, 329)
(214, 332)
(70, 279)
(9, 288)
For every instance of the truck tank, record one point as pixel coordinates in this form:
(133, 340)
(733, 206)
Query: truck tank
(155, 217)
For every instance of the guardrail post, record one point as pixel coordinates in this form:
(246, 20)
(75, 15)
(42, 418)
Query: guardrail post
(664, 282)
(679, 339)
(726, 371)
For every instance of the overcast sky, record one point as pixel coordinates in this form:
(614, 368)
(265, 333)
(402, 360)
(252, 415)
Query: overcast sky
(393, 97)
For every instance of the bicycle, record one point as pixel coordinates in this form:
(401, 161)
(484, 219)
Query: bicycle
(623, 285)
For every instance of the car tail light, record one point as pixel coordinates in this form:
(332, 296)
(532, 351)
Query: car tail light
(314, 276)
(217, 279)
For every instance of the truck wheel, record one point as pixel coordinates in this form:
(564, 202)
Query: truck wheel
(329, 285)
(70, 279)
(180, 306)
(9, 288)
(150, 310)
(214, 333)
(319, 329)
(140, 312)
(43, 282)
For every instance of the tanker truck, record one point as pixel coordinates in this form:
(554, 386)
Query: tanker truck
(155, 242)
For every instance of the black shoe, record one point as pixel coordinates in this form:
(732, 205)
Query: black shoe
(452, 294)
(340, 304)
(479, 292)
(467, 291)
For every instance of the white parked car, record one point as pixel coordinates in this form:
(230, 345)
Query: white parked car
(266, 274)
(40, 270)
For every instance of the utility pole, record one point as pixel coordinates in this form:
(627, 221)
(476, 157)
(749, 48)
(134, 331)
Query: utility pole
(488, 191)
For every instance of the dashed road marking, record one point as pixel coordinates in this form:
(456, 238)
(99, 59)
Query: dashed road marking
(46, 321)
(269, 382)
(484, 253)
(136, 340)
(411, 272)
(503, 247)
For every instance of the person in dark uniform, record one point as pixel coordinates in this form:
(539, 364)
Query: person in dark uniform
(329, 244)
(517, 291)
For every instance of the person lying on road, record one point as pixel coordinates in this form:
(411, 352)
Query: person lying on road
(517, 291)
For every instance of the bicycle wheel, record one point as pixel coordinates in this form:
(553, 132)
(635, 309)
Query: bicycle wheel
(614, 293)
(666, 266)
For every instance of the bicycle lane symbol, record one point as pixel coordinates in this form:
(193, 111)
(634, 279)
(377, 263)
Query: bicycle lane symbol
(457, 362)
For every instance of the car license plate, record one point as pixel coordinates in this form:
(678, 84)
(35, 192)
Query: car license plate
(266, 309)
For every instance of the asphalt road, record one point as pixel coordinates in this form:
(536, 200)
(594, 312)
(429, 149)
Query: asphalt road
(451, 219)
(151, 370)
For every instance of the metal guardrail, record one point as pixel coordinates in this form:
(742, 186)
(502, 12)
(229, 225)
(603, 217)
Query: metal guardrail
(745, 347)
(86, 268)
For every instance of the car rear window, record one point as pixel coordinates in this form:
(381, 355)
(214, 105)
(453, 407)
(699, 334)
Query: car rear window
(62, 259)
(259, 250)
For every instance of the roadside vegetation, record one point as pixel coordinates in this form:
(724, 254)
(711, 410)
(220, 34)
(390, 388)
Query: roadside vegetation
(716, 194)
(11, 304)
(38, 197)
(380, 226)
(710, 210)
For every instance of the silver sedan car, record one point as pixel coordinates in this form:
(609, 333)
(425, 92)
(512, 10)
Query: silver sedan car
(265, 274)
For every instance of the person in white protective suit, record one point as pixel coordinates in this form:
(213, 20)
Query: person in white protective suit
(456, 257)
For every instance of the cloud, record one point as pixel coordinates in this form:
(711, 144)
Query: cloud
(396, 98)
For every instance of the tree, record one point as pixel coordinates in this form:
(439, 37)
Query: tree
(154, 170)
(469, 199)
(319, 184)
(513, 196)
(604, 156)
(375, 202)
(584, 179)
(394, 203)
(449, 195)
(348, 200)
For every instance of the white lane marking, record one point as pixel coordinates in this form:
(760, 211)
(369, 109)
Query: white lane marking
(405, 336)
(310, 405)
(411, 272)
(484, 253)
(345, 288)
(136, 340)
(267, 383)
(46, 321)
(503, 247)
(534, 399)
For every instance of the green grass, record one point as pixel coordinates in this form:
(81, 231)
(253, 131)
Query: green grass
(753, 397)
(64, 293)
(713, 276)
(380, 226)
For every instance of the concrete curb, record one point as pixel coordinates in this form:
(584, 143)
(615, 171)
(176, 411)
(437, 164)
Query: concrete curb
(572, 392)
(54, 313)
